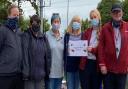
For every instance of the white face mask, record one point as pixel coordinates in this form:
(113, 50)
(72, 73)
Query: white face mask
(55, 26)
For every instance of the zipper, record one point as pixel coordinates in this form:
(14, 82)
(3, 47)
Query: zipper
(18, 50)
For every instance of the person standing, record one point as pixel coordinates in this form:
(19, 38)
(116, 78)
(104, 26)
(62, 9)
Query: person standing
(55, 38)
(89, 75)
(11, 52)
(36, 55)
(71, 63)
(113, 49)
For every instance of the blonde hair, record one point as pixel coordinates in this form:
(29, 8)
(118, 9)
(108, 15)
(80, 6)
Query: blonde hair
(96, 12)
(10, 8)
(75, 18)
(99, 17)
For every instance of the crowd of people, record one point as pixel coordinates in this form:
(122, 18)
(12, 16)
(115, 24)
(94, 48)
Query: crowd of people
(33, 60)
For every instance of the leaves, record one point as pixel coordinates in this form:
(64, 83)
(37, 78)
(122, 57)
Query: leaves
(125, 9)
(46, 25)
(85, 24)
(3, 9)
(105, 8)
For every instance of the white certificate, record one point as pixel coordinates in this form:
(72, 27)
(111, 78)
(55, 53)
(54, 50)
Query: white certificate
(78, 48)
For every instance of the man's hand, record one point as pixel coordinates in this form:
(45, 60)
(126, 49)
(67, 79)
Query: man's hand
(103, 70)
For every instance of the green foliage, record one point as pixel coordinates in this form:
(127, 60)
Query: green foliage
(3, 10)
(24, 23)
(105, 8)
(35, 7)
(3, 15)
(46, 25)
(125, 9)
(85, 24)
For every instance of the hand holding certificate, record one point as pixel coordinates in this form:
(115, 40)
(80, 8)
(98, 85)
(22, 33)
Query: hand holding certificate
(78, 48)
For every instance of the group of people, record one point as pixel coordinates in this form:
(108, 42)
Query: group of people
(33, 60)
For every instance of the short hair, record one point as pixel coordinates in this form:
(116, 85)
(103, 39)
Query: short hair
(55, 16)
(35, 18)
(10, 8)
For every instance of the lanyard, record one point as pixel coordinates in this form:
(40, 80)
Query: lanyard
(116, 37)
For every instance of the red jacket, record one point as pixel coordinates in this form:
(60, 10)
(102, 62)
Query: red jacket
(107, 51)
(87, 36)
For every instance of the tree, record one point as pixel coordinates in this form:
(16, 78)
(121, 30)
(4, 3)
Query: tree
(125, 9)
(85, 24)
(3, 10)
(105, 8)
(34, 5)
(24, 23)
(46, 25)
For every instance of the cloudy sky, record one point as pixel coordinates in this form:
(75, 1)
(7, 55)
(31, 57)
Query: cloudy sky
(76, 7)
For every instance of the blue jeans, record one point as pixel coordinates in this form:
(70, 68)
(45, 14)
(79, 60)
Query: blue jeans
(72, 80)
(54, 83)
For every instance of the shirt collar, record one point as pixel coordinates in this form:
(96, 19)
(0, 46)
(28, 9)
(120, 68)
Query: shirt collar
(51, 32)
(57, 38)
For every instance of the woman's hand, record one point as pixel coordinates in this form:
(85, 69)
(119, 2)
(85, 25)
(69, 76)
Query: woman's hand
(89, 49)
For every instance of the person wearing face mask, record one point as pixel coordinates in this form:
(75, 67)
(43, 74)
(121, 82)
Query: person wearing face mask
(71, 63)
(10, 51)
(113, 49)
(89, 75)
(36, 56)
(55, 38)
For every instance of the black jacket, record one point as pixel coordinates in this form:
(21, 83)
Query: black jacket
(36, 56)
(10, 51)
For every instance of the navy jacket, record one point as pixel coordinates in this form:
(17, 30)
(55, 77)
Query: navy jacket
(10, 51)
(36, 56)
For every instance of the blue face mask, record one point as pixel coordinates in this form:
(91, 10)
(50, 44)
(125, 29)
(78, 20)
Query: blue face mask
(12, 23)
(94, 22)
(55, 26)
(76, 25)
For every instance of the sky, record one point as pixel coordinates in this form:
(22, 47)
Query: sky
(76, 7)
